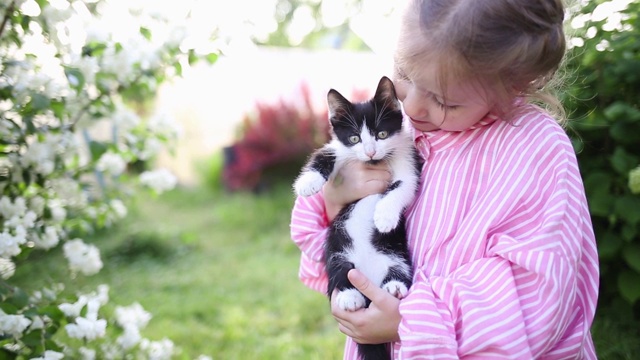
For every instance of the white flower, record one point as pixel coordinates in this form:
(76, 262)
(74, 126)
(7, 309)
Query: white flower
(10, 209)
(50, 355)
(82, 257)
(204, 357)
(48, 240)
(159, 180)
(118, 208)
(58, 212)
(7, 268)
(38, 323)
(73, 310)
(87, 328)
(10, 244)
(158, 350)
(37, 204)
(87, 354)
(111, 163)
(132, 315)
(40, 157)
(13, 325)
(130, 338)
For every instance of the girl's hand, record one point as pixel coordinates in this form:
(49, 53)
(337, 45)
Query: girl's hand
(352, 182)
(376, 324)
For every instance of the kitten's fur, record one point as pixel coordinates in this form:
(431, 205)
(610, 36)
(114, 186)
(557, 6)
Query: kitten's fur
(368, 234)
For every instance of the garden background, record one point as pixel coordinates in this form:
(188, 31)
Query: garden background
(147, 152)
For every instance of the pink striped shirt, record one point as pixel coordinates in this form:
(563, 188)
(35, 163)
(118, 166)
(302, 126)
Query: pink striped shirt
(502, 244)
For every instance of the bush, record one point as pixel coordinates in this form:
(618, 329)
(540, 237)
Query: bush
(603, 100)
(68, 140)
(275, 140)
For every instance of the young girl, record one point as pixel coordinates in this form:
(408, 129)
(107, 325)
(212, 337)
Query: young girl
(500, 235)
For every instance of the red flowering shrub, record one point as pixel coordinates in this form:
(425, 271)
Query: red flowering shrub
(275, 141)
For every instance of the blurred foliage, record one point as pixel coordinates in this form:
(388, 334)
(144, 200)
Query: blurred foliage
(603, 101)
(338, 36)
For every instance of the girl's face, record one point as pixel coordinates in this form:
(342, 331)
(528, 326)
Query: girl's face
(428, 108)
(421, 93)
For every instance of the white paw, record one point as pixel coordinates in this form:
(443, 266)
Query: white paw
(385, 220)
(350, 299)
(308, 183)
(396, 288)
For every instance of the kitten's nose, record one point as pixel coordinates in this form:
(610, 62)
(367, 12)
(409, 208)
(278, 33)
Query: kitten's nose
(371, 153)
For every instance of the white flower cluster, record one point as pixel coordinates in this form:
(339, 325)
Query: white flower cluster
(82, 257)
(160, 180)
(65, 69)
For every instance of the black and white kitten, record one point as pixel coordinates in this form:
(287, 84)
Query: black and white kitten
(368, 234)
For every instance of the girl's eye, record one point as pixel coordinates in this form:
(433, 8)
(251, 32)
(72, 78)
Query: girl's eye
(442, 105)
(383, 135)
(354, 139)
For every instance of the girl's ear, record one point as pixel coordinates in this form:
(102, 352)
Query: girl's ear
(386, 94)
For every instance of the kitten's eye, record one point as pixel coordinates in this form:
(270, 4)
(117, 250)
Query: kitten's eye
(354, 139)
(383, 135)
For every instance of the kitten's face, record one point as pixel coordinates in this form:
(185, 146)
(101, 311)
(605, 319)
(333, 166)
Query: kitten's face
(369, 130)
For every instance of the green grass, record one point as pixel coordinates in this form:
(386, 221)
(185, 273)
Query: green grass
(219, 274)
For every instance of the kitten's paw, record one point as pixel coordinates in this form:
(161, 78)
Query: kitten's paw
(396, 288)
(308, 183)
(385, 220)
(350, 299)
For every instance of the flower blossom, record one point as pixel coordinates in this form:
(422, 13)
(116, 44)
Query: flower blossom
(159, 180)
(7, 268)
(50, 355)
(82, 257)
(111, 163)
(13, 325)
(158, 350)
(133, 314)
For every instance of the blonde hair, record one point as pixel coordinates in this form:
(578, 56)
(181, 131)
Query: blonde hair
(516, 46)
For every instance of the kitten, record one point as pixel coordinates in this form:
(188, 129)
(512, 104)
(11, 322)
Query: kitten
(368, 234)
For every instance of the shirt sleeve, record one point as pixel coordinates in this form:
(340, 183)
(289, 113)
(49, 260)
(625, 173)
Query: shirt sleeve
(533, 293)
(309, 227)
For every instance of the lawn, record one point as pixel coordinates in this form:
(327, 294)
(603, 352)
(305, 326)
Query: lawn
(219, 274)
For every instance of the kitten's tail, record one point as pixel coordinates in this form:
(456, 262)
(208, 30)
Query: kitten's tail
(373, 352)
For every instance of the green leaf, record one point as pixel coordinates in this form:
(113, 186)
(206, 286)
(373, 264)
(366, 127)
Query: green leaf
(629, 285)
(33, 338)
(622, 161)
(609, 245)
(19, 298)
(628, 208)
(39, 102)
(631, 255)
(212, 58)
(145, 32)
(75, 77)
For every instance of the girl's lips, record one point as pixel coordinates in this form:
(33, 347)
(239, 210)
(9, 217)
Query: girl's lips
(418, 121)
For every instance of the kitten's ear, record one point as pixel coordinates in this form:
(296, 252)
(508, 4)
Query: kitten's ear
(386, 93)
(338, 104)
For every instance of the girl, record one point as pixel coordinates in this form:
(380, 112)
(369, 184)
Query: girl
(500, 235)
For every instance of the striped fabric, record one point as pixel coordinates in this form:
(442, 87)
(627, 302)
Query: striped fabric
(502, 243)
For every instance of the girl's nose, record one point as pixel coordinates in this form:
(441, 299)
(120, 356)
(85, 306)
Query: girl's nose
(414, 105)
